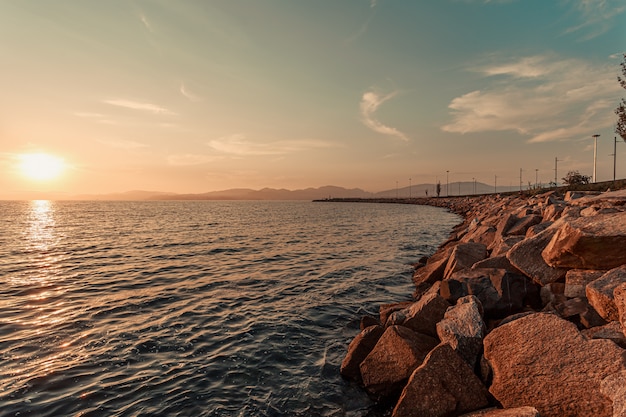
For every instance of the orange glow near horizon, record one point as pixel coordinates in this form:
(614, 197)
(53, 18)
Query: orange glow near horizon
(41, 166)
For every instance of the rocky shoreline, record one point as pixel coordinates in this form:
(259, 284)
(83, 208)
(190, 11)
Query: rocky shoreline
(522, 312)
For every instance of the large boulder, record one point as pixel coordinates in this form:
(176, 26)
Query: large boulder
(396, 355)
(359, 348)
(498, 262)
(614, 387)
(501, 293)
(443, 385)
(596, 242)
(600, 293)
(521, 226)
(463, 256)
(544, 361)
(576, 281)
(463, 329)
(526, 256)
(434, 268)
(423, 315)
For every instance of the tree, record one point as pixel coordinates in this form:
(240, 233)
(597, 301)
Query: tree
(620, 111)
(576, 178)
(438, 189)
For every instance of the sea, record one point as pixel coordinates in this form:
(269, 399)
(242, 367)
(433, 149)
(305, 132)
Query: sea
(197, 308)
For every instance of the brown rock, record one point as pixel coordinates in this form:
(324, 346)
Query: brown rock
(611, 331)
(482, 234)
(614, 387)
(434, 268)
(463, 256)
(590, 318)
(501, 245)
(526, 256)
(600, 293)
(543, 360)
(506, 412)
(619, 296)
(501, 293)
(396, 355)
(553, 212)
(443, 385)
(423, 315)
(359, 348)
(498, 262)
(522, 225)
(596, 242)
(385, 310)
(463, 329)
(576, 281)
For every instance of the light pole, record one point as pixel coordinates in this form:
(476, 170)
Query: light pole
(474, 181)
(447, 184)
(495, 184)
(520, 179)
(536, 175)
(409, 187)
(396, 189)
(595, 154)
(555, 171)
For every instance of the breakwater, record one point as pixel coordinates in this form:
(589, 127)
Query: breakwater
(521, 312)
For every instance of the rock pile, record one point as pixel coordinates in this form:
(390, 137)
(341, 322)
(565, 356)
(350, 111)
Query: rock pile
(522, 312)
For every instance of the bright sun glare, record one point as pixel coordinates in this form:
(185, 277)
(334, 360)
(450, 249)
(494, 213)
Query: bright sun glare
(41, 166)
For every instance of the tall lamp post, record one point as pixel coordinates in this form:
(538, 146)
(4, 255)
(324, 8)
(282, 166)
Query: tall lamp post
(447, 184)
(409, 187)
(595, 154)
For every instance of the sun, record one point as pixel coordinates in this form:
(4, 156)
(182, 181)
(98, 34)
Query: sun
(41, 166)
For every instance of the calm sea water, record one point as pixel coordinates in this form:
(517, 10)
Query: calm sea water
(196, 308)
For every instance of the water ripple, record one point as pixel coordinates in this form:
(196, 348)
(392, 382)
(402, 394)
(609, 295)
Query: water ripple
(196, 308)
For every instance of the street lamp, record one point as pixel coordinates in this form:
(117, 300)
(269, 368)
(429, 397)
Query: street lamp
(409, 187)
(447, 184)
(595, 154)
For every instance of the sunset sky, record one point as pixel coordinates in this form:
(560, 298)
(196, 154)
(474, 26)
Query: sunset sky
(195, 96)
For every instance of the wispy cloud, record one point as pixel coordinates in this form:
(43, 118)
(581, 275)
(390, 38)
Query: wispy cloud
(239, 145)
(146, 23)
(541, 97)
(597, 16)
(188, 94)
(370, 102)
(138, 105)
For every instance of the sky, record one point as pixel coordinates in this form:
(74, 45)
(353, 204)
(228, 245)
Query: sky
(196, 96)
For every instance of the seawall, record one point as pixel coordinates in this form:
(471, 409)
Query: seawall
(521, 312)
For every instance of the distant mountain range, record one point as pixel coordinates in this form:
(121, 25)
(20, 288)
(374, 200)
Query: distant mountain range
(418, 190)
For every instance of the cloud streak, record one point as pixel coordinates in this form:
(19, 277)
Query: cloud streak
(239, 145)
(598, 16)
(370, 102)
(541, 97)
(140, 106)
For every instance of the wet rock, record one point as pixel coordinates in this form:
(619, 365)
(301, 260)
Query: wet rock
(482, 234)
(396, 355)
(596, 242)
(443, 385)
(359, 348)
(501, 293)
(526, 256)
(576, 281)
(614, 387)
(367, 321)
(505, 412)
(543, 360)
(463, 329)
(600, 293)
(463, 256)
